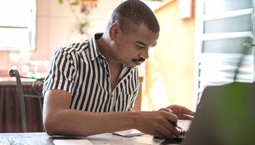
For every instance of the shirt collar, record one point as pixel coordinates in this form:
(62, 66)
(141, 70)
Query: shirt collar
(93, 48)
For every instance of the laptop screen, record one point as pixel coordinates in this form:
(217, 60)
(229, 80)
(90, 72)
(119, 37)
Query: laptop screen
(224, 116)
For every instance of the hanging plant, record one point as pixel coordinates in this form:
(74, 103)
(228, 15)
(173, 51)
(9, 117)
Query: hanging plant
(82, 23)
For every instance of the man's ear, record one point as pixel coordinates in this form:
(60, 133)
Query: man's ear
(114, 31)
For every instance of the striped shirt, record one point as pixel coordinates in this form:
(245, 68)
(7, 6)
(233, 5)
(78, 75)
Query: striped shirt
(83, 71)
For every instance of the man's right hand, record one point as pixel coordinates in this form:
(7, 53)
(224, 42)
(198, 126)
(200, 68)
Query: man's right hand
(157, 123)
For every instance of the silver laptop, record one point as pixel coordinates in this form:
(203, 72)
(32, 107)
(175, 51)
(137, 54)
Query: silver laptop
(224, 116)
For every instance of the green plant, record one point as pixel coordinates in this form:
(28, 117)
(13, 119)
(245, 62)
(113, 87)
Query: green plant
(82, 23)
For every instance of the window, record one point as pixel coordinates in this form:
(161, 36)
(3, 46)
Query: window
(224, 31)
(17, 24)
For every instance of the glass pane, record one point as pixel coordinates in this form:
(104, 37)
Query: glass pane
(14, 39)
(216, 6)
(227, 46)
(17, 24)
(234, 24)
(15, 12)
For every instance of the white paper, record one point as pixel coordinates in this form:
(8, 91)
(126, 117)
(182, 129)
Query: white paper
(72, 142)
(129, 133)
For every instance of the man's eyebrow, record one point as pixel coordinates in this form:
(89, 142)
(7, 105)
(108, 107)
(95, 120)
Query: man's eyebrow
(142, 43)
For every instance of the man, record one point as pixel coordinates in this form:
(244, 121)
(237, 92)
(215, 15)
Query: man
(91, 86)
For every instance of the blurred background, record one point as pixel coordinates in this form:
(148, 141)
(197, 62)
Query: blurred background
(201, 43)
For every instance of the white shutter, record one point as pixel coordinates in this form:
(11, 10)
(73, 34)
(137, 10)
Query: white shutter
(222, 29)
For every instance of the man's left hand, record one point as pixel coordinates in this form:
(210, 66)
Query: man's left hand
(181, 111)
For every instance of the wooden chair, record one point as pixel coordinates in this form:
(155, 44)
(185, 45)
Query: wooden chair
(37, 82)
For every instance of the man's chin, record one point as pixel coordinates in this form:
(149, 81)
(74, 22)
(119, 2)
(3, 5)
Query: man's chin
(133, 65)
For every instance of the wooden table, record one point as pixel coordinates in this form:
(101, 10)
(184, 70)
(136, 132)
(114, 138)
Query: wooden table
(106, 138)
(42, 138)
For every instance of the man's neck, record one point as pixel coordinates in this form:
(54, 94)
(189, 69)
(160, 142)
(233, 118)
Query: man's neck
(114, 66)
(107, 52)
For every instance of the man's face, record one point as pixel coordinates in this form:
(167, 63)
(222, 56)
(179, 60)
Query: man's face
(132, 49)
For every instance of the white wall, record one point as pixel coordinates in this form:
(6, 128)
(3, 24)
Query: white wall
(55, 24)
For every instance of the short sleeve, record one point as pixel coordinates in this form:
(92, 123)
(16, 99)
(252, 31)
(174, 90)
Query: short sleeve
(61, 73)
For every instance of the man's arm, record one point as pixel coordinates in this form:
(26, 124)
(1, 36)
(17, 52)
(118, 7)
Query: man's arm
(60, 120)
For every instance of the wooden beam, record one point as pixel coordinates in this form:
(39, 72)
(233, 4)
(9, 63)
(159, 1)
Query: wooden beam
(164, 3)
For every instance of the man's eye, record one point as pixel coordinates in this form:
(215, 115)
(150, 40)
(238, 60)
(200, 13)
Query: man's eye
(139, 46)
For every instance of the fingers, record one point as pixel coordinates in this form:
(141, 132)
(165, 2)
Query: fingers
(164, 133)
(181, 110)
(170, 131)
(171, 117)
(184, 117)
(166, 109)
(187, 111)
(157, 123)
(169, 126)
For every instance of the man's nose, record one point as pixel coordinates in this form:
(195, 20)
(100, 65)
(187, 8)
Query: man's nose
(145, 54)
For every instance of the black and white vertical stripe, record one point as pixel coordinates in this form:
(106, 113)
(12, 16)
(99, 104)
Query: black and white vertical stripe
(81, 70)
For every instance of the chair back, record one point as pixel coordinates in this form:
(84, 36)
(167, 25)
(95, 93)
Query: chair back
(15, 73)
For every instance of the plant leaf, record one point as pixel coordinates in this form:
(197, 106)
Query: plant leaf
(75, 3)
(84, 24)
(60, 1)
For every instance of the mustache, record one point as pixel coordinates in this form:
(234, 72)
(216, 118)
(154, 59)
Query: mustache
(141, 59)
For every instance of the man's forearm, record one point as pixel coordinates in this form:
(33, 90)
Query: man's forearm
(60, 120)
(80, 123)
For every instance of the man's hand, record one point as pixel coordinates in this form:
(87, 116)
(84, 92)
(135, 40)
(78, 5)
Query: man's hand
(180, 111)
(157, 123)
